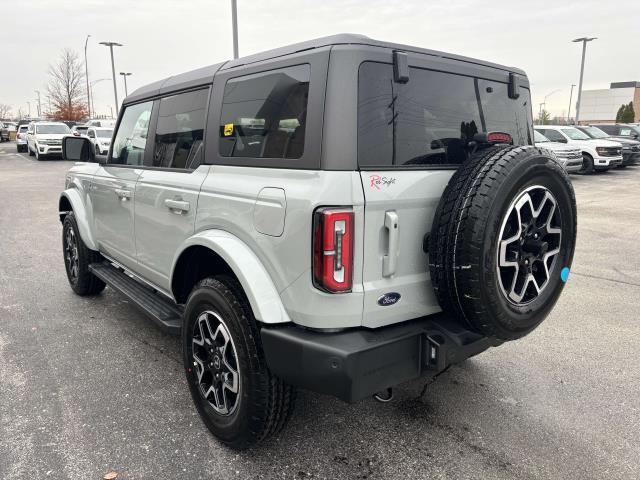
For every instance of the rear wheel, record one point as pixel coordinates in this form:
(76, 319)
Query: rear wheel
(502, 240)
(587, 164)
(237, 397)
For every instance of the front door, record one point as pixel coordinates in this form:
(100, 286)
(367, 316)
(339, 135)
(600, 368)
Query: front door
(113, 186)
(166, 196)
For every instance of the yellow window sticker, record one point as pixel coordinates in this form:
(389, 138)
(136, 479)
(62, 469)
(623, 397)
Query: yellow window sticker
(228, 129)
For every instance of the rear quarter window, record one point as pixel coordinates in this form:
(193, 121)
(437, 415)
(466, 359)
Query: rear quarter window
(264, 115)
(430, 120)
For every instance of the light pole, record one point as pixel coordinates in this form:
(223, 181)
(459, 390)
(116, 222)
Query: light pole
(113, 69)
(39, 105)
(234, 21)
(570, 97)
(125, 75)
(545, 102)
(29, 105)
(86, 74)
(584, 41)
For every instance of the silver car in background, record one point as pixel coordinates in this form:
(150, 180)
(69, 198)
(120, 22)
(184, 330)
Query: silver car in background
(569, 157)
(21, 138)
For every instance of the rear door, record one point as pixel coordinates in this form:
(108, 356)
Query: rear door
(167, 191)
(411, 138)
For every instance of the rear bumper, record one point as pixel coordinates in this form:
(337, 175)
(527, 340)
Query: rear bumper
(357, 363)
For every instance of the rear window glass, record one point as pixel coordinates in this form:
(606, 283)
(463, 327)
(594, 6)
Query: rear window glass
(430, 119)
(264, 115)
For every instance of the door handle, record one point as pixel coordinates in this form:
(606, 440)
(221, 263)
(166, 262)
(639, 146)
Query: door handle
(390, 261)
(177, 206)
(124, 195)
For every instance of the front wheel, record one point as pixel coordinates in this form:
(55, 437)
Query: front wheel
(77, 258)
(237, 397)
(587, 164)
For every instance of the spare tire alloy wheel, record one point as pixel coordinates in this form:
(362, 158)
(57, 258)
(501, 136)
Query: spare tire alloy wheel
(502, 240)
(530, 239)
(216, 362)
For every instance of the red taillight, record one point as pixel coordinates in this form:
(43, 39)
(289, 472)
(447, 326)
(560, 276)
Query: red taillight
(333, 249)
(18, 135)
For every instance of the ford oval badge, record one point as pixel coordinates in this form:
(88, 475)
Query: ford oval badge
(389, 299)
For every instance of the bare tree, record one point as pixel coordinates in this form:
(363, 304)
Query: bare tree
(5, 110)
(65, 87)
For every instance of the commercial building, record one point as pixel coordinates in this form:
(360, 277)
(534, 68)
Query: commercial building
(602, 105)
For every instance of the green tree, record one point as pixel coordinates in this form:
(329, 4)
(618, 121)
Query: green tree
(620, 113)
(629, 115)
(544, 117)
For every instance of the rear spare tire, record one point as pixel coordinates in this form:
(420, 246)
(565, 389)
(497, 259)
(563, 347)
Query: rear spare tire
(502, 240)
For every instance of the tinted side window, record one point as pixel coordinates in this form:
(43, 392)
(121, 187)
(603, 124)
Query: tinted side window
(553, 135)
(131, 137)
(610, 129)
(264, 115)
(430, 119)
(180, 130)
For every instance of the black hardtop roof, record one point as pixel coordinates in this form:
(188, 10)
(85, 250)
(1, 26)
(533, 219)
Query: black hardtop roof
(203, 76)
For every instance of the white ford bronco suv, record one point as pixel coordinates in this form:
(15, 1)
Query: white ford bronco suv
(341, 215)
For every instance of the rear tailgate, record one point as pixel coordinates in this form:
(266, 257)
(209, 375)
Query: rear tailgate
(411, 137)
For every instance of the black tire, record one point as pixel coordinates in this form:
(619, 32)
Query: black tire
(38, 155)
(82, 281)
(97, 149)
(472, 215)
(587, 164)
(264, 402)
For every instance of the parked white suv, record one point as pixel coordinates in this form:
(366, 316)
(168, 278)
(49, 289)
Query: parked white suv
(100, 139)
(597, 155)
(341, 215)
(570, 158)
(45, 138)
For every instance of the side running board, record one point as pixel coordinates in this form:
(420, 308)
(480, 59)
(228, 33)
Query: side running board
(162, 311)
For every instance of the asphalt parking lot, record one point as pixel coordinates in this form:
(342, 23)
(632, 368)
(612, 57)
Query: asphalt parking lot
(89, 385)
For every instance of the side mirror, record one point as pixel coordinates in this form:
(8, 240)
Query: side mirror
(78, 149)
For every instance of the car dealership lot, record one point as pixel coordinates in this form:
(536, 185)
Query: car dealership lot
(90, 385)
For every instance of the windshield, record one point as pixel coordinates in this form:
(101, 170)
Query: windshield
(539, 138)
(104, 133)
(23, 128)
(575, 134)
(52, 129)
(594, 132)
